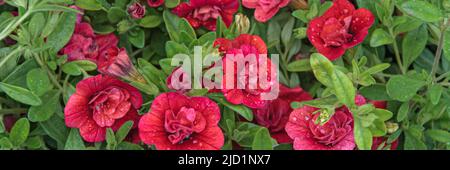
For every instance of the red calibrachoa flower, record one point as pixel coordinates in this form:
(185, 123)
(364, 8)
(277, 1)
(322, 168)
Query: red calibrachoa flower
(265, 9)
(244, 45)
(336, 134)
(115, 62)
(155, 3)
(275, 115)
(177, 122)
(205, 12)
(86, 45)
(136, 10)
(340, 28)
(102, 102)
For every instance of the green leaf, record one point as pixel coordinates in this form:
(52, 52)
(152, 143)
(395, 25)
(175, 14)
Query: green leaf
(422, 10)
(63, 32)
(403, 88)
(21, 95)
(137, 38)
(71, 68)
(184, 26)
(47, 109)
(123, 131)
(286, 33)
(301, 65)
(148, 88)
(91, 5)
(171, 3)
(19, 132)
(172, 21)
(36, 24)
(56, 128)
(380, 37)
(116, 14)
(435, 93)
(403, 112)
(322, 68)
(375, 92)
(38, 81)
(111, 142)
(240, 109)
(262, 140)
(363, 136)
(86, 65)
(74, 141)
(150, 21)
(129, 146)
(438, 135)
(413, 138)
(383, 115)
(413, 45)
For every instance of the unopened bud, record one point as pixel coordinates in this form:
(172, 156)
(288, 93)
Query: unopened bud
(242, 23)
(391, 127)
(300, 33)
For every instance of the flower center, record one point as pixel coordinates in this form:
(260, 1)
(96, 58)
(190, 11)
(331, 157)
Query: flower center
(333, 131)
(335, 32)
(182, 125)
(109, 105)
(206, 13)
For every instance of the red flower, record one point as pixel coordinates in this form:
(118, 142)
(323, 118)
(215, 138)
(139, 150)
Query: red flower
(244, 45)
(136, 10)
(336, 134)
(2, 2)
(99, 103)
(9, 122)
(115, 62)
(177, 122)
(155, 3)
(340, 28)
(265, 9)
(378, 141)
(379, 104)
(205, 12)
(86, 45)
(275, 115)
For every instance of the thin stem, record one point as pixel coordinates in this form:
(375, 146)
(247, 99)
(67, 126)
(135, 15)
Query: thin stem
(397, 52)
(437, 58)
(13, 111)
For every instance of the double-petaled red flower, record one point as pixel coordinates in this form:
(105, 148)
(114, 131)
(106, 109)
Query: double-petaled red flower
(340, 28)
(155, 3)
(336, 134)
(136, 10)
(205, 12)
(177, 122)
(102, 102)
(86, 45)
(265, 9)
(245, 46)
(276, 114)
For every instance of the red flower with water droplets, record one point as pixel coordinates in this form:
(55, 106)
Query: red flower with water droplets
(276, 114)
(205, 12)
(340, 28)
(102, 102)
(245, 45)
(155, 3)
(336, 134)
(177, 122)
(86, 45)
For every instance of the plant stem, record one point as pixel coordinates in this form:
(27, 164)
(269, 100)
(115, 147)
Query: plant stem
(437, 58)
(13, 111)
(11, 27)
(49, 73)
(397, 52)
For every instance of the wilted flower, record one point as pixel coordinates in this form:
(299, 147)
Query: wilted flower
(115, 62)
(136, 10)
(242, 23)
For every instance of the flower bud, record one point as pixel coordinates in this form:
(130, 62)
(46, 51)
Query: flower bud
(300, 33)
(242, 23)
(136, 10)
(155, 3)
(391, 127)
(115, 62)
(299, 4)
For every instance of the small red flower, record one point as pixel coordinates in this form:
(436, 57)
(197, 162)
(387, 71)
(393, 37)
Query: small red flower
(102, 102)
(265, 9)
(340, 28)
(136, 10)
(115, 62)
(2, 2)
(205, 12)
(155, 3)
(244, 45)
(177, 122)
(9, 122)
(336, 134)
(86, 45)
(275, 115)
